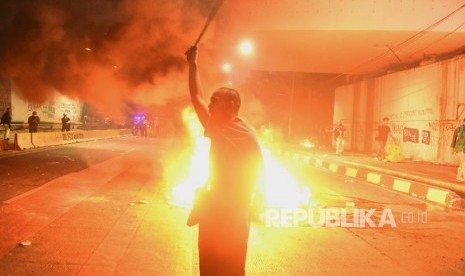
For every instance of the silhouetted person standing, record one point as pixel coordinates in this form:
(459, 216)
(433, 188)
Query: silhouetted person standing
(6, 121)
(339, 137)
(33, 122)
(65, 125)
(458, 147)
(382, 134)
(235, 168)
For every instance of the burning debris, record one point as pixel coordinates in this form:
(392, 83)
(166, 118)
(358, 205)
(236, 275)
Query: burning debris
(280, 189)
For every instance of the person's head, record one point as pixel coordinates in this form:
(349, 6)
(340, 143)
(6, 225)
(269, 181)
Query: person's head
(339, 122)
(385, 120)
(8, 109)
(64, 114)
(224, 105)
(34, 113)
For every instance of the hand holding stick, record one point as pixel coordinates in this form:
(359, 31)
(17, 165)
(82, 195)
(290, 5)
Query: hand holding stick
(191, 53)
(213, 12)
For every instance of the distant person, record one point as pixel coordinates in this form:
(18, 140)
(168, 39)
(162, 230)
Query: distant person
(85, 120)
(33, 122)
(223, 215)
(382, 134)
(458, 147)
(65, 125)
(339, 137)
(143, 127)
(6, 122)
(156, 126)
(137, 125)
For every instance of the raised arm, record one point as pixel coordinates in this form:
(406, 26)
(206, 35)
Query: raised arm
(195, 89)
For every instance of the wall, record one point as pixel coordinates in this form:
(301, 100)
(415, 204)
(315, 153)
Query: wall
(343, 110)
(5, 94)
(49, 112)
(423, 105)
(296, 104)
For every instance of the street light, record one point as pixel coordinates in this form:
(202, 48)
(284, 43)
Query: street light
(245, 48)
(227, 67)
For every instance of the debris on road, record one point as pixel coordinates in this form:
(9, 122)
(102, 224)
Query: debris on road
(25, 243)
(139, 202)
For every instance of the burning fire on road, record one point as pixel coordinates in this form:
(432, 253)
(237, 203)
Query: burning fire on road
(280, 189)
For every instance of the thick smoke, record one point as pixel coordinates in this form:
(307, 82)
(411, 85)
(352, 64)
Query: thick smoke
(106, 52)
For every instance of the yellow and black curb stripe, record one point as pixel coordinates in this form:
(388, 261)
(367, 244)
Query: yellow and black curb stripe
(438, 195)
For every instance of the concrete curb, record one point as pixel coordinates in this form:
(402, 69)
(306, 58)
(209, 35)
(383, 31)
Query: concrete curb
(400, 182)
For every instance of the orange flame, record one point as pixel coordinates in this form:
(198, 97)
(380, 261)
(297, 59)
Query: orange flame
(183, 192)
(280, 189)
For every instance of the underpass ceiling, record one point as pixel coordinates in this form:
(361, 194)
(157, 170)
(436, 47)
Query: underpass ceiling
(346, 37)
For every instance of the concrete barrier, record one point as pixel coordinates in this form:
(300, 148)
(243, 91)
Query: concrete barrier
(23, 140)
(78, 136)
(46, 139)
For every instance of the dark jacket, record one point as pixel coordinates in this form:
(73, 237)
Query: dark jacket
(33, 122)
(6, 119)
(65, 126)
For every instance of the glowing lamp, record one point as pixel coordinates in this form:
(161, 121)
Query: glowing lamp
(246, 48)
(227, 67)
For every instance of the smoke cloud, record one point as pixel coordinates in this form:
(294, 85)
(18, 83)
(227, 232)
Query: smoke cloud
(105, 52)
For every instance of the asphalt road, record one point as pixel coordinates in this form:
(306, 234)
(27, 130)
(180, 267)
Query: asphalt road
(99, 208)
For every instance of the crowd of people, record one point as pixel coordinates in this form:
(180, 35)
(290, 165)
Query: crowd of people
(384, 133)
(141, 125)
(144, 127)
(33, 122)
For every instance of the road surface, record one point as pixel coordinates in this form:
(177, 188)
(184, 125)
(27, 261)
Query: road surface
(100, 208)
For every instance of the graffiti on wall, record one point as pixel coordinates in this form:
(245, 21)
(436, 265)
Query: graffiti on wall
(54, 110)
(45, 111)
(442, 125)
(425, 137)
(71, 109)
(410, 135)
(400, 119)
(398, 127)
(414, 135)
(411, 114)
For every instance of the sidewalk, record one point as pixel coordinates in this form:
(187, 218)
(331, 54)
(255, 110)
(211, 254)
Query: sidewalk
(102, 220)
(425, 180)
(417, 168)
